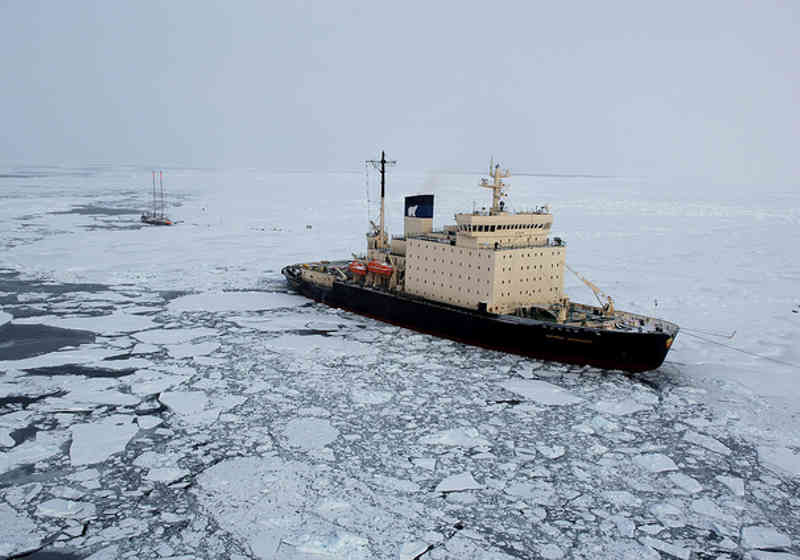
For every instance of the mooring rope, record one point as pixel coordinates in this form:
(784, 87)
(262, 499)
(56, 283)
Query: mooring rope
(753, 354)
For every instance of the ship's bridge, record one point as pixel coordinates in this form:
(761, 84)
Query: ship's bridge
(504, 229)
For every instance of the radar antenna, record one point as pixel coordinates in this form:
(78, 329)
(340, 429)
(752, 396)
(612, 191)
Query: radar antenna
(497, 186)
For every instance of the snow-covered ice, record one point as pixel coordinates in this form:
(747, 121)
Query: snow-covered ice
(97, 441)
(541, 392)
(218, 415)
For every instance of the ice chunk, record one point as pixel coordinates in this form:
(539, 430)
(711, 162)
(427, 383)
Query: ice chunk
(96, 442)
(707, 508)
(550, 551)
(370, 396)
(458, 483)
(781, 459)
(706, 441)
(456, 437)
(117, 323)
(769, 555)
(622, 499)
(173, 336)
(619, 408)
(5, 438)
(167, 475)
(185, 403)
(216, 302)
(107, 553)
(412, 550)
(18, 533)
(735, 485)
(655, 462)
(551, 452)
(685, 482)
(189, 349)
(148, 422)
(71, 509)
(310, 433)
(669, 515)
(5, 318)
(667, 548)
(43, 446)
(541, 392)
(756, 536)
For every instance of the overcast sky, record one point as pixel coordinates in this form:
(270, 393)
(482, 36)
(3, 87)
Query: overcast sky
(697, 88)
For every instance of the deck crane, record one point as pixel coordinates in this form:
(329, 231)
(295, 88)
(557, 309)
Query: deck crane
(608, 305)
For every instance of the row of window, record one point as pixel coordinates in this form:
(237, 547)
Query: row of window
(500, 227)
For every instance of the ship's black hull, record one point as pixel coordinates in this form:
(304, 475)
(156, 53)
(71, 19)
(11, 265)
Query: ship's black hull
(607, 349)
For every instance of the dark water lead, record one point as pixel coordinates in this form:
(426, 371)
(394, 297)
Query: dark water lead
(93, 210)
(18, 342)
(77, 369)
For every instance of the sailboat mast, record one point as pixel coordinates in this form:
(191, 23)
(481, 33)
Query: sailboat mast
(154, 193)
(161, 186)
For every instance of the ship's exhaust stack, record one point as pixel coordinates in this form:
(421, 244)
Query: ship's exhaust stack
(418, 214)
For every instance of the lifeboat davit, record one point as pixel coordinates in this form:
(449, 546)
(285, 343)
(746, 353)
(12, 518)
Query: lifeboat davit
(380, 269)
(358, 268)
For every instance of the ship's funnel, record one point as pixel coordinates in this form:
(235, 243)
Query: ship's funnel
(418, 214)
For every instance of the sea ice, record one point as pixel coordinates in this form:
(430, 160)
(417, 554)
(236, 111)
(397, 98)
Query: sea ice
(18, 533)
(174, 336)
(456, 437)
(96, 442)
(190, 349)
(685, 482)
(655, 462)
(541, 392)
(166, 475)
(117, 323)
(43, 446)
(458, 483)
(706, 441)
(619, 408)
(667, 548)
(5, 318)
(369, 396)
(310, 433)
(72, 509)
(756, 536)
(734, 484)
(781, 459)
(217, 302)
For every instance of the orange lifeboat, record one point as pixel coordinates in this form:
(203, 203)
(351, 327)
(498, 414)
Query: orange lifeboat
(358, 268)
(380, 269)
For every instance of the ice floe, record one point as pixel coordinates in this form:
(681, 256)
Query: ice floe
(706, 441)
(310, 433)
(174, 336)
(61, 508)
(217, 302)
(541, 392)
(757, 536)
(655, 462)
(781, 459)
(116, 323)
(619, 408)
(460, 482)
(5, 318)
(18, 533)
(456, 437)
(95, 442)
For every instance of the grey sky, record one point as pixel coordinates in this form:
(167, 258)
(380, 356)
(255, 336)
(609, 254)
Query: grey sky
(669, 88)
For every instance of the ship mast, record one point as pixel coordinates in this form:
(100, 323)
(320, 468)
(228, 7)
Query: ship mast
(497, 186)
(380, 165)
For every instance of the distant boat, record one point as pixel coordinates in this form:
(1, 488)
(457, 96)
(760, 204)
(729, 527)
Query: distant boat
(156, 217)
